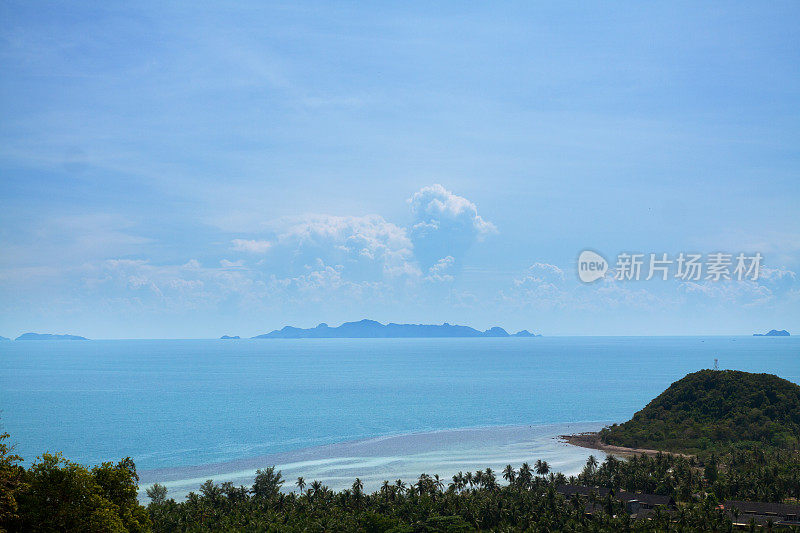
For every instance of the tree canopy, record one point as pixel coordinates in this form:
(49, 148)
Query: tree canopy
(713, 410)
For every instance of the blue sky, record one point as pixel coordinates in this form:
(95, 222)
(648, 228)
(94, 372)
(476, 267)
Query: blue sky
(200, 169)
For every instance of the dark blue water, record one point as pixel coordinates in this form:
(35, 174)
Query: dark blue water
(176, 403)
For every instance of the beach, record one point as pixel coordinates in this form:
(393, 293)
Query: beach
(395, 457)
(591, 440)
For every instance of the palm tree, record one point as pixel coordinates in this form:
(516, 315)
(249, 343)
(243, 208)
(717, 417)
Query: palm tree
(489, 479)
(458, 481)
(525, 474)
(316, 487)
(509, 474)
(301, 483)
(542, 468)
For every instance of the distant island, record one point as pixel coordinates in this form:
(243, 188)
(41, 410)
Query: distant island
(49, 337)
(369, 329)
(228, 337)
(4, 338)
(773, 333)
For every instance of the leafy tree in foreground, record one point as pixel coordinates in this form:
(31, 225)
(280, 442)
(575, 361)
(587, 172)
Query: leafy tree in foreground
(12, 480)
(56, 494)
(267, 483)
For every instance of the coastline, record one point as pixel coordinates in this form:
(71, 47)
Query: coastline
(405, 456)
(591, 440)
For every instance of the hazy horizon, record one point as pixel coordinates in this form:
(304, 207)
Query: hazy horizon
(253, 336)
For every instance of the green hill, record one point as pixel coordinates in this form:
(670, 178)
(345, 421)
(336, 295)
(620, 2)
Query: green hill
(712, 409)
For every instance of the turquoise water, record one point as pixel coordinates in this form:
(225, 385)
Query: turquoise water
(178, 403)
(403, 456)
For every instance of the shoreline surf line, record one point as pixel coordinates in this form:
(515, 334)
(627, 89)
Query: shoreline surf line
(443, 452)
(591, 440)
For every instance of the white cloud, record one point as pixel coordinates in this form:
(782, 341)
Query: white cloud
(544, 286)
(772, 283)
(367, 247)
(371, 249)
(778, 280)
(317, 258)
(541, 286)
(544, 273)
(251, 246)
(435, 203)
(445, 224)
(324, 283)
(139, 285)
(439, 271)
(609, 293)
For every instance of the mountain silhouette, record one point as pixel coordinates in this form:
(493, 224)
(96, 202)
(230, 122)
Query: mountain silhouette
(365, 329)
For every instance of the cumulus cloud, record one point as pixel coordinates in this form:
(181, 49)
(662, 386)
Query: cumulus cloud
(544, 286)
(139, 285)
(543, 273)
(324, 282)
(436, 204)
(251, 246)
(540, 286)
(439, 271)
(445, 224)
(227, 264)
(315, 258)
(367, 247)
(609, 293)
(370, 249)
(772, 283)
(779, 280)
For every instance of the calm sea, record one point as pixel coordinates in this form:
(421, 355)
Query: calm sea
(179, 403)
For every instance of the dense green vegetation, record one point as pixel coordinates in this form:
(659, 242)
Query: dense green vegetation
(744, 429)
(55, 494)
(712, 410)
(525, 499)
